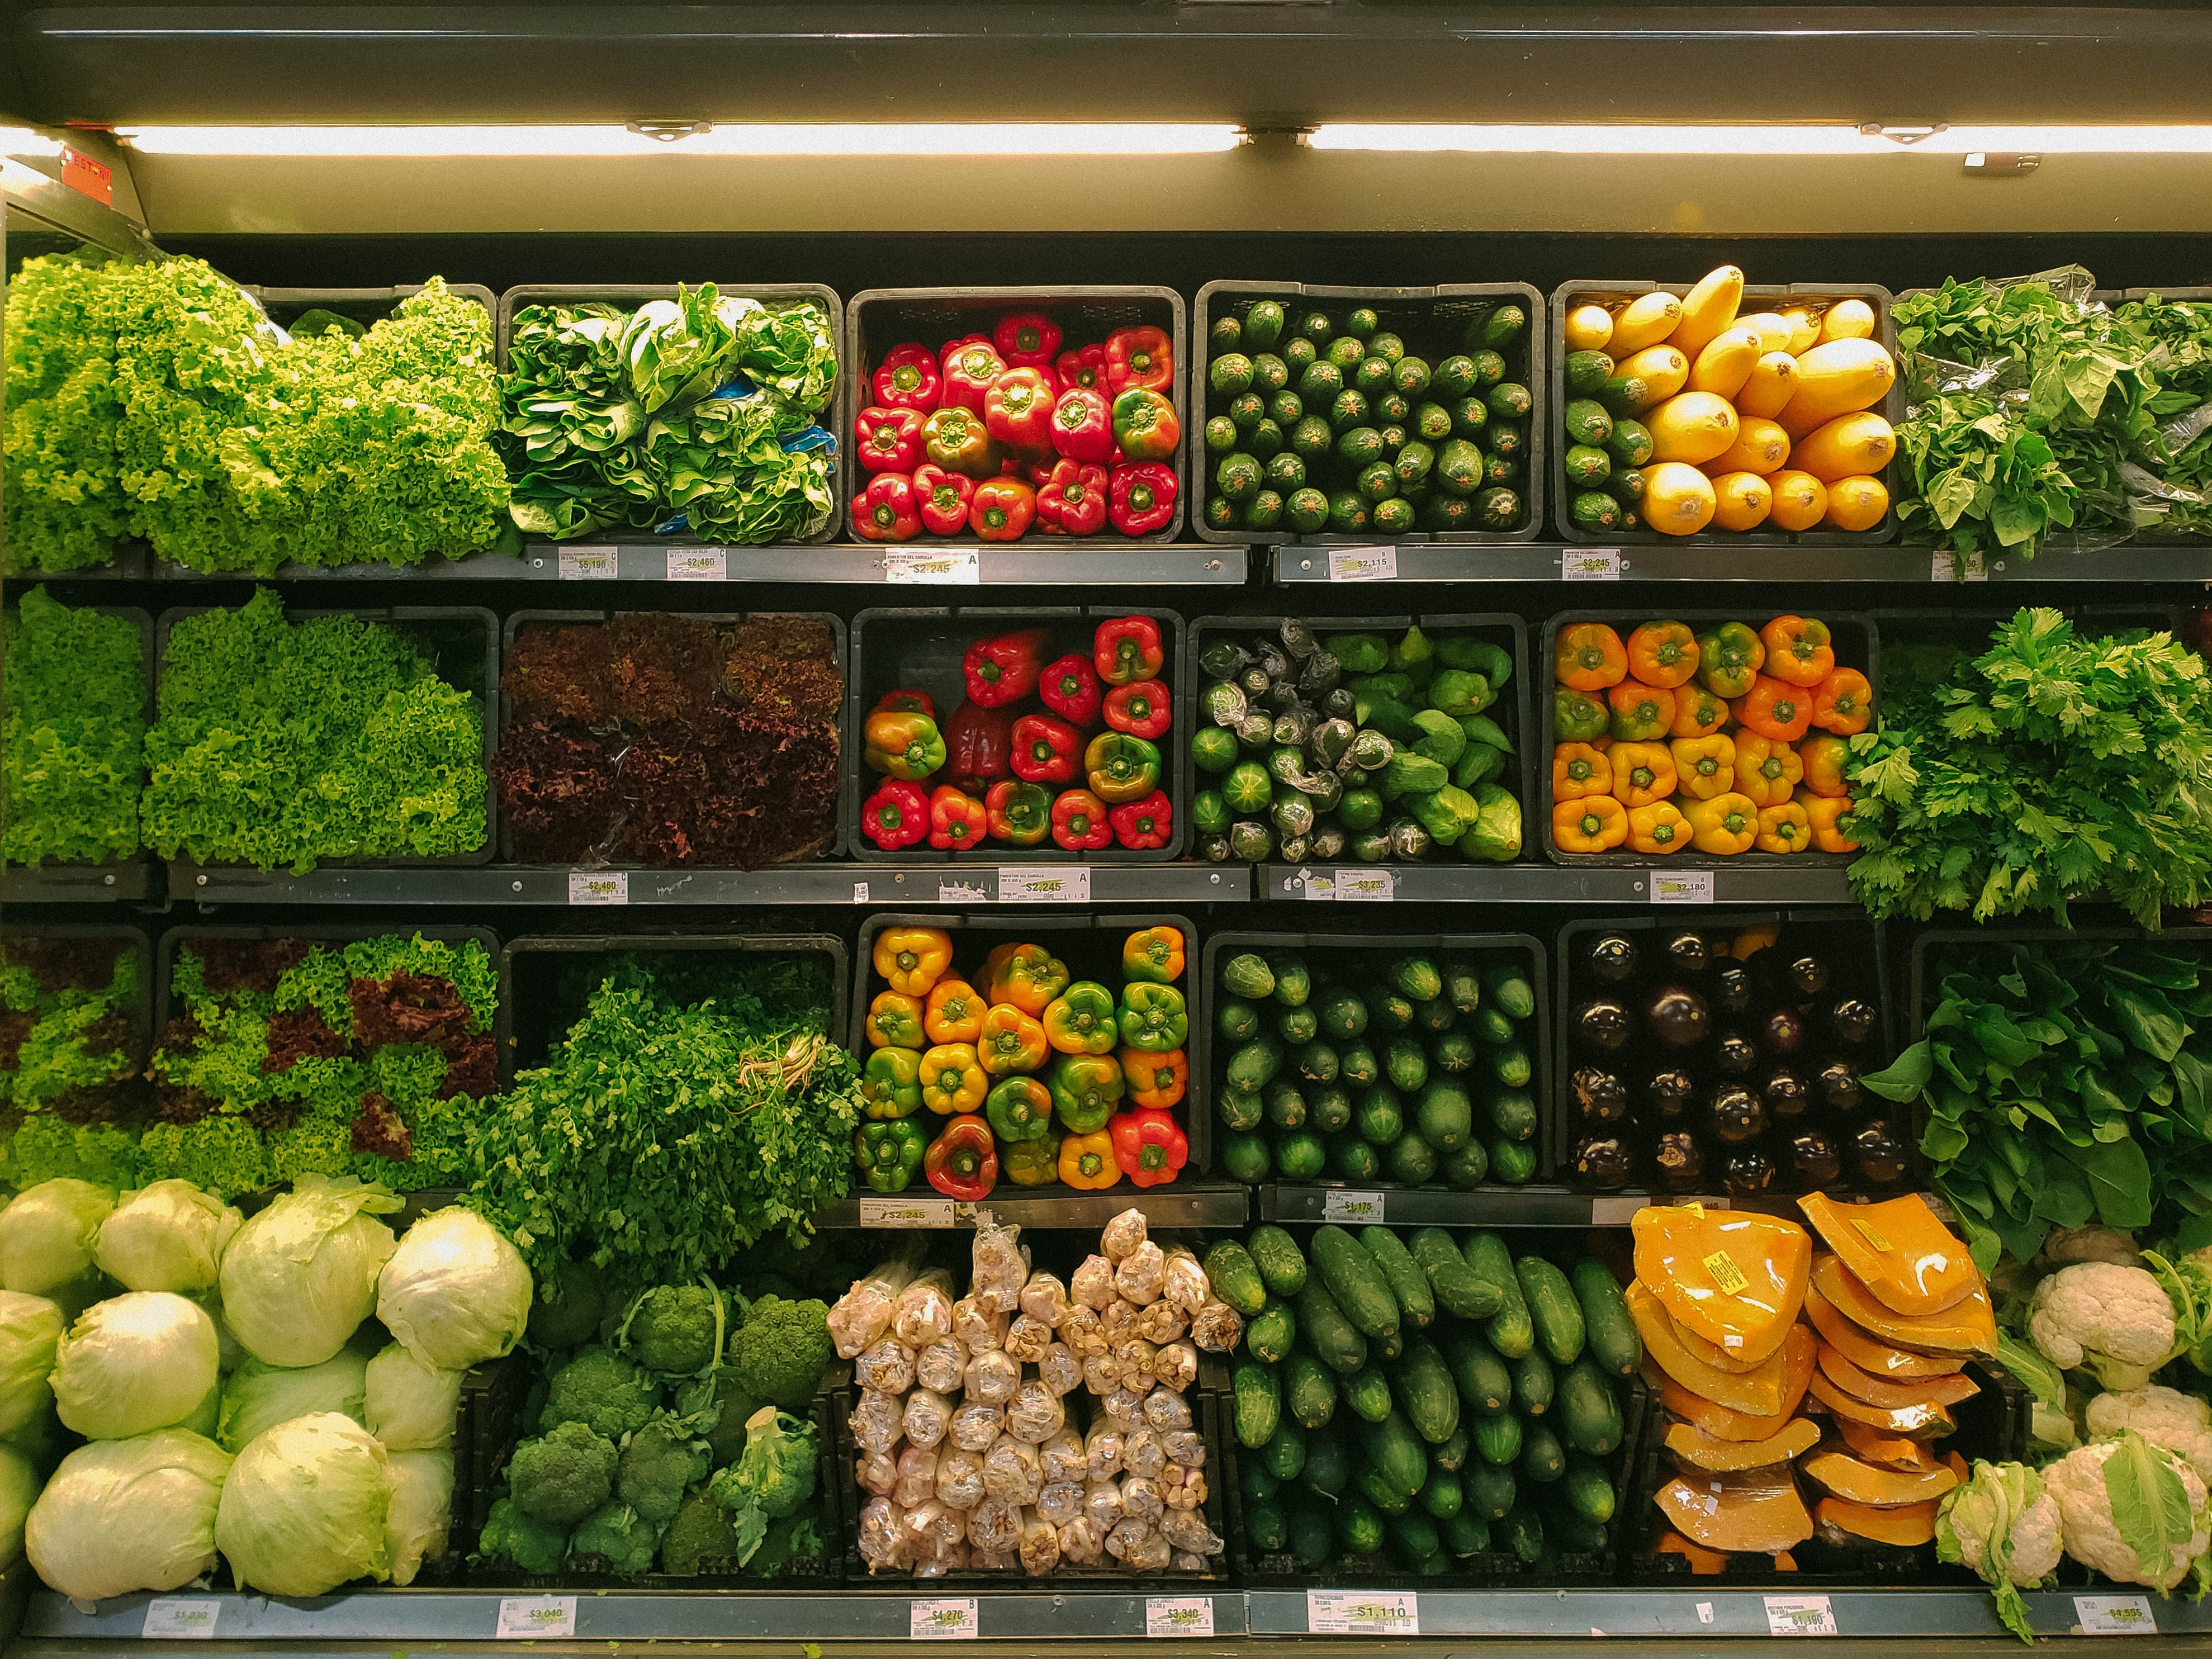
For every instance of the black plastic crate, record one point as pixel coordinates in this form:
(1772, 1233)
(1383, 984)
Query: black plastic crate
(461, 643)
(1514, 711)
(521, 621)
(837, 418)
(485, 1431)
(365, 305)
(882, 318)
(1091, 945)
(1419, 314)
(73, 879)
(1897, 477)
(1856, 643)
(1221, 945)
(1848, 938)
(920, 647)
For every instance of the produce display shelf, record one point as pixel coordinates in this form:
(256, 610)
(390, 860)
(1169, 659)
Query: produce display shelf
(1193, 1203)
(1534, 1206)
(1528, 883)
(77, 883)
(1545, 562)
(661, 559)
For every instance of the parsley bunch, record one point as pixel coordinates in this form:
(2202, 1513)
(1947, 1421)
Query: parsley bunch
(2050, 768)
(70, 761)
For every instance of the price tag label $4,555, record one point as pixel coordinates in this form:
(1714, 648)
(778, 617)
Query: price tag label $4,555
(2115, 1615)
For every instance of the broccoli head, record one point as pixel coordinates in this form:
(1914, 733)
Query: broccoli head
(795, 1537)
(675, 1329)
(531, 1544)
(773, 1478)
(563, 1475)
(700, 1533)
(571, 1321)
(731, 1402)
(660, 1463)
(602, 1390)
(782, 1350)
(620, 1533)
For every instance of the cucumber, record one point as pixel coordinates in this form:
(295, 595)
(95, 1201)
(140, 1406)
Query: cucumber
(1407, 1283)
(1248, 976)
(1308, 1390)
(1466, 1533)
(1553, 1308)
(1254, 1065)
(1490, 1488)
(1455, 1452)
(1355, 1282)
(1588, 1489)
(1388, 1348)
(1513, 1161)
(1376, 1487)
(1328, 1108)
(1239, 1108)
(1534, 1384)
(1442, 1496)
(1462, 985)
(1358, 1525)
(1509, 989)
(1258, 1403)
(1513, 1115)
(1265, 1530)
(1255, 1482)
(1423, 1386)
(1485, 1385)
(1328, 1466)
(1285, 1454)
(1236, 1278)
(1416, 1536)
(1511, 1065)
(1509, 1329)
(1589, 1410)
(1296, 1026)
(1493, 1025)
(1612, 1338)
(1523, 1532)
(1568, 1534)
(1237, 1020)
(1456, 1288)
(1497, 1439)
(1285, 1104)
(1328, 1333)
(1395, 1452)
(1282, 1268)
(1542, 1460)
(1367, 1394)
(1312, 1534)
(1269, 1338)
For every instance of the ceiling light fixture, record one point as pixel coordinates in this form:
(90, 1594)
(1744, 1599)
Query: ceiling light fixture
(21, 141)
(691, 138)
(1779, 139)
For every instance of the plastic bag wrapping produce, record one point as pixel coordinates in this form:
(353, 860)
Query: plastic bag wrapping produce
(1093, 1285)
(886, 1365)
(1026, 1339)
(1060, 1457)
(1059, 1501)
(1186, 1286)
(1082, 1541)
(917, 1476)
(876, 1420)
(1164, 1411)
(1040, 1546)
(992, 1378)
(1121, 1404)
(960, 1478)
(976, 1425)
(1085, 1331)
(1122, 1235)
(928, 1415)
(1010, 1471)
(1132, 1361)
(1101, 1373)
(1035, 1414)
(1059, 1370)
(1217, 1327)
(1044, 1299)
(1102, 1501)
(1101, 1451)
(942, 1367)
(978, 1327)
(863, 1314)
(1161, 1323)
(1142, 1454)
(881, 1524)
(1001, 1265)
(166, 1236)
(1175, 1367)
(1142, 1273)
(876, 1472)
(924, 1312)
(995, 1525)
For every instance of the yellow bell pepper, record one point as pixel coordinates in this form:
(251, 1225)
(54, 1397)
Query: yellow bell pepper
(1704, 766)
(912, 959)
(1596, 824)
(895, 1021)
(1579, 769)
(1826, 813)
(1086, 1162)
(1765, 771)
(1822, 757)
(1642, 773)
(1725, 824)
(1784, 828)
(1027, 975)
(1658, 828)
(1011, 1042)
(954, 1012)
(952, 1079)
(1751, 941)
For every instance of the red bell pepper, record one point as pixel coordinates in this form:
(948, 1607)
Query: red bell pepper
(1085, 367)
(970, 366)
(979, 739)
(1018, 813)
(1141, 825)
(1127, 649)
(943, 498)
(1141, 498)
(1039, 473)
(1079, 822)
(1004, 668)
(1145, 425)
(958, 441)
(885, 510)
(1027, 340)
(1047, 750)
(1070, 688)
(957, 818)
(1140, 356)
(904, 701)
(1148, 1146)
(1083, 425)
(908, 378)
(1003, 509)
(1017, 410)
(1073, 499)
(896, 816)
(888, 440)
(1141, 709)
(962, 1163)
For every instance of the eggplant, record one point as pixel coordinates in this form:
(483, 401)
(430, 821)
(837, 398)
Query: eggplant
(1747, 1174)
(1785, 1095)
(1782, 1032)
(1814, 1161)
(1806, 975)
(1735, 1115)
(1601, 1161)
(1851, 1020)
(1734, 1056)
(1670, 1093)
(1729, 991)
(1602, 1025)
(1688, 954)
(1677, 1016)
(1838, 1083)
(1610, 957)
(1880, 1155)
(1681, 1161)
(1599, 1096)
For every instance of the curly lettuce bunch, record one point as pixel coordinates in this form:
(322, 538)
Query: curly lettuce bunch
(71, 740)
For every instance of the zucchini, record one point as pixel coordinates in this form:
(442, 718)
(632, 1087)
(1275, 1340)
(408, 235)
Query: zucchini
(1328, 1333)
(1416, 1536)
(1466, 1533)
(1442, 1496)
(1612, 1338)
(1553, 1309)
(1308, 1390)
(1235, 1277)
(1258, 1403)
(1269, 1338)
(1523, 1533)
(1509, 1329)
(1509, 989)
(1588, 1489)
(1282, 1268)
(1285, 1454)
(1497, 1439)
(1264, 1529)
(1395, 1452)
(1355, 1282)
(1254, 1065)
(1485, 1385)
(1543, 1459)
(1328, 1466)
(1407, 1283)
(1456, 1288)
(1358, 1525)
(1423, 1386)
(1589, 1410)
(1248, 976)
(1534, 1384)
(1455, 1452)
(1490, 1488)
(1312, 1534)
(1254, 1480)
(1367, 1394)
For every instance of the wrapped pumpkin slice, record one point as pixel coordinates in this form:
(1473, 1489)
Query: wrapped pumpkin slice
(1711, 1353)
(1891, 1452)
(1691, 1448)
(1869, 1352)
(1755, 1392)
(1969, 1325)
(1736, 1519)
(1903, 1526)
(1923, 1420)
(1704, 1563)
(1911, 1261)
(1735, 1278)
(1842, 1475)
(1880, 1391)
(1800, 1354)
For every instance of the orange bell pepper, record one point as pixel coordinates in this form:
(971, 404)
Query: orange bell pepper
(952, 1079)
(1011, 1042)
(1642, 773)
(1579, 769)
(1843, 703)
(1662, 653)
(912, 959)
(1589, 657)
(1658, 828)
(1765, 771)
(1153, 953)
(1784, 828)
(1697, 712)
(1822, 757)
(1156, 1080)
(1726, 825)
(1827, 815)
(895, 1021)
(1640, 713)
(1596, 824)
(954, 1012)
(1775, 709)
(1704, 767)
(1798, 651)
(1027, 975)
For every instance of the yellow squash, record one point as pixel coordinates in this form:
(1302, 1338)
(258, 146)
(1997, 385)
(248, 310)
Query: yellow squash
(1800, 500)
(1847, 319)
(1709, 308)
(1691, 426)
(1678, 499)
(1725, 363)
(1772, 383)
(1643, 321)
(1663, 369)
(1855, 503)
(1742, 501)
(1850, 445)
(1834, 378)
(1761, 447)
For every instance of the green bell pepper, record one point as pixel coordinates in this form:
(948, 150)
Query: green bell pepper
(1085, 1088)
(890, 1084)
(1577, 717)
(1121, 768)
(1019, 1109)
(1153, 1017)
(1080, 1019)
(1032, 1163)
(889, 1153)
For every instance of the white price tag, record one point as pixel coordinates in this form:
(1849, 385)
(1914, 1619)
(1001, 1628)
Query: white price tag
(1704, 1613)
(954, 566)
(697, 564)
(1800, 1615)
(587, 564)
(1320, 884)
(1590, 564)
(1365, 886)
(959, 891)
(527, 1617)
(1362, 564)
(168, 1618)
(1682, 887)
(1363, 1613)
(1178, 1615)
(907, 1213)
(599, 887)
(860, 892)
(1044, 884)
(951, 1620)
(2115, 1615)
(1943, 567)
(1337, 1206)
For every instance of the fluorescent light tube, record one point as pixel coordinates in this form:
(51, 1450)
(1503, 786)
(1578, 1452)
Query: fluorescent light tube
(21, 141)
(1596, 138)
(1023, 139)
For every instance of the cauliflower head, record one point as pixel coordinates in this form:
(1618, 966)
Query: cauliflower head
(531, 1544)
(2002, 1525)
(783, 1349)
(2118, 1321)
(660, 1463)
(2181, 1423)
(563, 1475)
(2136, 1513)
(601, 1389)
